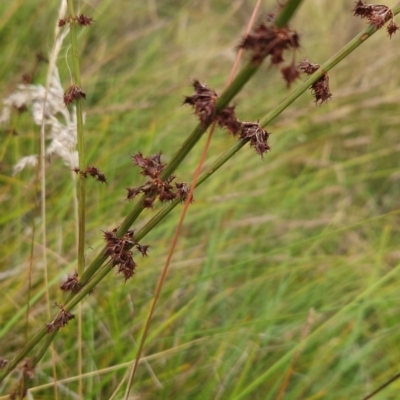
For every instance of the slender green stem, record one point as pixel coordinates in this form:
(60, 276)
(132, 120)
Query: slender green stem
(81, 178)
(80, 137)
(47, 342)
(287, 12)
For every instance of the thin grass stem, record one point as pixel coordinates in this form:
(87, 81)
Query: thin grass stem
(81, 178)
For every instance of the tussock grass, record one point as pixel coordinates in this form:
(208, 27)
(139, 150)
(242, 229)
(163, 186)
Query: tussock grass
(306, 238)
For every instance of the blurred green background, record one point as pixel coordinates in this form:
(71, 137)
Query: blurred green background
(291, 261)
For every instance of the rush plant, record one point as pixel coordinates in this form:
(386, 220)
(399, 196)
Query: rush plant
(60, 114)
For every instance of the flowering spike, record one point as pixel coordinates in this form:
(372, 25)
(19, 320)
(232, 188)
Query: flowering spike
(83, 20)
(290, 74)
(62, 22)
(62, 319)
(96, 174)
(155, 187)
(320, 88)
(118, 249)
(392, 28)
(71, 284)
(269, 40)
(73, 93)
(258, 137)
(227, 119)
(376, 15)
(203, 102)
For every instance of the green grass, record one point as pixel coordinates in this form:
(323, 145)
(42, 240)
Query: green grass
(310, 233)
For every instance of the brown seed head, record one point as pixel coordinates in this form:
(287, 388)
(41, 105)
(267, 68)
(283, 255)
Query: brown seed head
(71, 284)
(269, 40)
(392, 28)
(290, 73)
(376, 15)
(83, 20)
(227, 119)
(96, 174)
(307, 67)
(119, 250)
(203, 102)
(256, 135)
(73, 93)
(155, 187)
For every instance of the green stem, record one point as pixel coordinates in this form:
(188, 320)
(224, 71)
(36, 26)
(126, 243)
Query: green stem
(81, 143)
(81, 178)
(47, 342)
(287, 12)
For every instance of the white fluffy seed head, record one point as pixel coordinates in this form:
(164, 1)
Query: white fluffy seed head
(59, 123)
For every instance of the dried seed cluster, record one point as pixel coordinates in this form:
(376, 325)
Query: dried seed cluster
(61, 319)
(256, 135)
(226, 118)
(73, 93)
(203, 102)
(71, 284)
(320, 88)
(93, 172)
(81, 19)
(119, 250)
(377, 15)
(155, 187)
(269, 40)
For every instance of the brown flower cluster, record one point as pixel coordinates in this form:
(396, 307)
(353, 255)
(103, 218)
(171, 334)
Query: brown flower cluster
(251, 132)
(155, 187)
(93, 172)
(81, 19)
(320, 88)
(226, 119)
(61, 320)
(269, 40)
(71, 284)
(73, 93)
(119, 250)
(3, 363)
(377, 15)
(203, 102)
(256, 135)
(290, 73)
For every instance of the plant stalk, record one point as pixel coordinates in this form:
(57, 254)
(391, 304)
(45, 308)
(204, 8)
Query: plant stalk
(80, 138)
